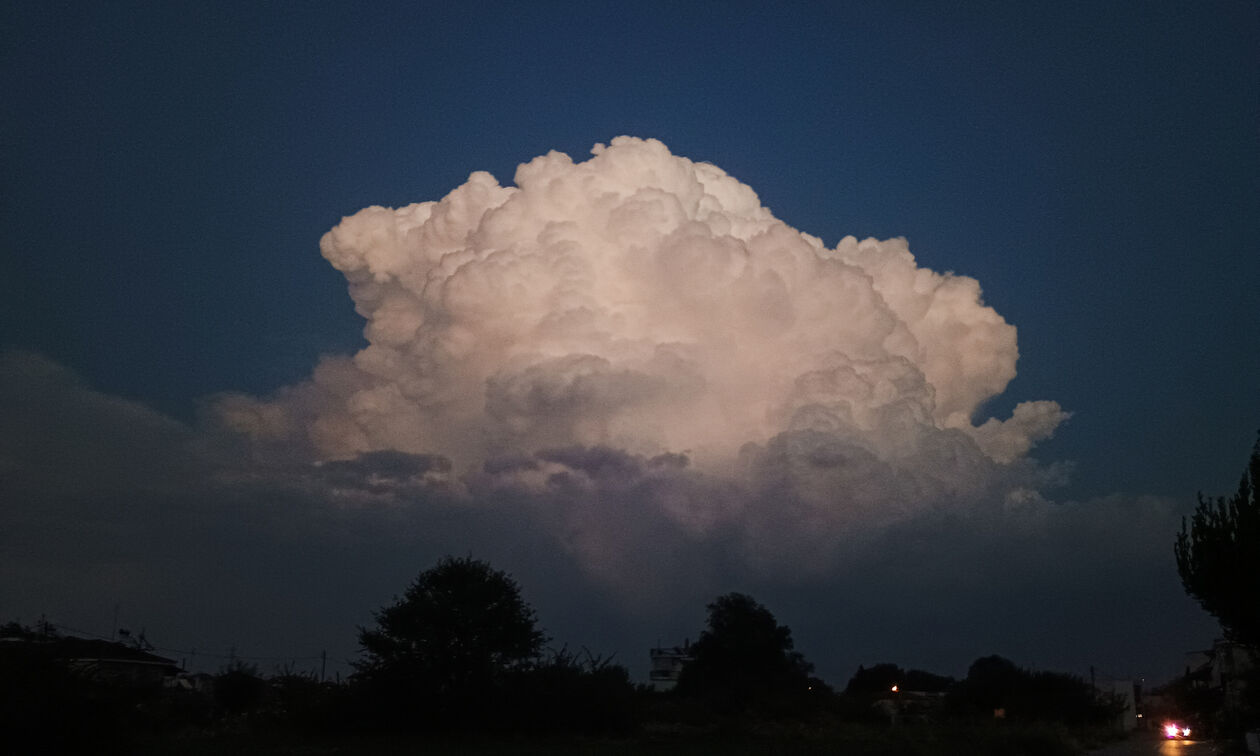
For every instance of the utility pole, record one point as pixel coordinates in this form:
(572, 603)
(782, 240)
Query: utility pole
(323, 664)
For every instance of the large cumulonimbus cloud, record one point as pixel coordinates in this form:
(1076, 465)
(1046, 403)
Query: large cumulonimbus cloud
(638, 328)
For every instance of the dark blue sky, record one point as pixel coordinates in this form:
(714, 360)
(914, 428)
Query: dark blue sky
(170, 167)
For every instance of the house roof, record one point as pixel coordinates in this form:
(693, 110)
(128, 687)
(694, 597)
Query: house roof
(80, 649)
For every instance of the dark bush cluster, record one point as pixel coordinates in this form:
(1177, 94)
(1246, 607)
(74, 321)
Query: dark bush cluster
(44, 701)
(880, 679)
(559, 694)
(995, 684)
(568, 693)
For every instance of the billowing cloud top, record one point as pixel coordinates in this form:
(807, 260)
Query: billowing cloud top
(643, 303)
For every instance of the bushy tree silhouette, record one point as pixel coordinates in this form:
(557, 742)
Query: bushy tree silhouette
(745, 662)
(1218, 556)
(992, 682)
(441, 652)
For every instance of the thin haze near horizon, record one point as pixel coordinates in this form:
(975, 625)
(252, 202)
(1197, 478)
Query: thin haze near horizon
(922, 327)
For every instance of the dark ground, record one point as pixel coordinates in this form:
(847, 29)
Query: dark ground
(850, 740)
(1150, 745)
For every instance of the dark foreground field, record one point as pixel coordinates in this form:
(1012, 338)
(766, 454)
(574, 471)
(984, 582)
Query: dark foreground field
(855, 740)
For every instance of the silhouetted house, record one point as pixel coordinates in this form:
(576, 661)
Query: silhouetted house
(102, 660)
(667, 665)
(1222, 668)
(1199, 668)
(113, 662)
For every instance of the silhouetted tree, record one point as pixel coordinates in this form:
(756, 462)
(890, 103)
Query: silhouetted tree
(16, 630)
(992, 682)
(880, 678)
(1218, 556)
(238, 689)
(443, 649)
(745, 662)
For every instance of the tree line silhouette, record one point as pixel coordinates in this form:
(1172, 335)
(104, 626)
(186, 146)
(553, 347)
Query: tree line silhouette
(461, 652)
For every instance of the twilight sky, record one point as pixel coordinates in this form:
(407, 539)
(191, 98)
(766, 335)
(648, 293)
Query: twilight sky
(921, 325)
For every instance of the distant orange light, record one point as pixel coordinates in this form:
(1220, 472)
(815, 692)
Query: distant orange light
(894, 689)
